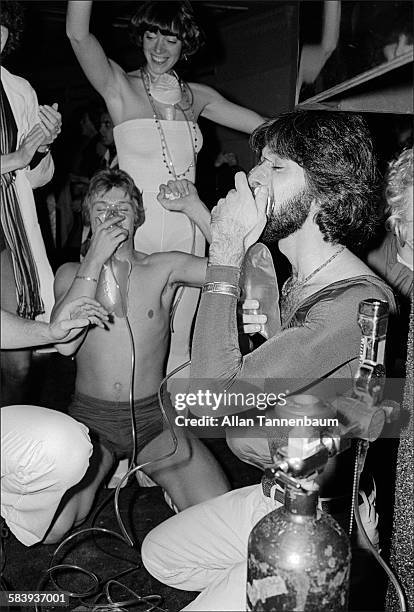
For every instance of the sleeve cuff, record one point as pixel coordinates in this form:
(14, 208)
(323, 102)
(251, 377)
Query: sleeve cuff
(226, 274)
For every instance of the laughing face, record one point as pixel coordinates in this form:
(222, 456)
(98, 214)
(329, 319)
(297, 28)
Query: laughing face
(112, 203)
(161, 51)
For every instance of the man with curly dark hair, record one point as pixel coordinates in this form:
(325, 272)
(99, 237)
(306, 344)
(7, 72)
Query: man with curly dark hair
(340, 172)
(27, 131)
(314, 192)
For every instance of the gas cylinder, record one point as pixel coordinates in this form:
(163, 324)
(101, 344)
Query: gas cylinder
(298, 559)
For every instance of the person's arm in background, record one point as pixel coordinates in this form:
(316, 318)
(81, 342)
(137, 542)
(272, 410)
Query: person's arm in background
(98, 69)
(20, 333)
(314, 57)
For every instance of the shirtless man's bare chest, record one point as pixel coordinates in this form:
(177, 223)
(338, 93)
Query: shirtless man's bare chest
(104, 361)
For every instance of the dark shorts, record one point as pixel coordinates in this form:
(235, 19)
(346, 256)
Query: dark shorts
(110, 422)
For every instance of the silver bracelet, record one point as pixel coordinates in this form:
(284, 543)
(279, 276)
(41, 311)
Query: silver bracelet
(221, 288)
(86, 278)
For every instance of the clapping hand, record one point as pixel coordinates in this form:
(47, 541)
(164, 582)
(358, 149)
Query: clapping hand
(29, 145)
(50, 122)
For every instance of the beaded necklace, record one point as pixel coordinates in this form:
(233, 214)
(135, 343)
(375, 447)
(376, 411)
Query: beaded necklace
(191, 126)
(292, 287)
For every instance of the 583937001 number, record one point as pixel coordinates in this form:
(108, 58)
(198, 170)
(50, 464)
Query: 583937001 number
(29, 598)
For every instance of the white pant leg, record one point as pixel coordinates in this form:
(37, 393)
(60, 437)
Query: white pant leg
(43, 454)
(225, 594)
(204, 548)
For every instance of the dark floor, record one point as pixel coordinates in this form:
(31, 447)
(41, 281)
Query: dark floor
(142, 509)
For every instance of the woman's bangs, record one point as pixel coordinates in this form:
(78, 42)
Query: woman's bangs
(168, 25)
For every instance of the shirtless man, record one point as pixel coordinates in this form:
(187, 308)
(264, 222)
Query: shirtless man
(148, 284)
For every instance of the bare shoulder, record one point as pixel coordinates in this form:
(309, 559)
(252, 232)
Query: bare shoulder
(204, 93)
(204, 97)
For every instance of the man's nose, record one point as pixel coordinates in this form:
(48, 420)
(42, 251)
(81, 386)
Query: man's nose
(258, 176)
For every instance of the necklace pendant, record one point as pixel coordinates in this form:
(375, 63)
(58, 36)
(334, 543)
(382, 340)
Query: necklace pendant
(170, 114)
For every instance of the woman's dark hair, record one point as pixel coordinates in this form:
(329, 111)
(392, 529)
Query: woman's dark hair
(104, 181)
(171, 19)
(12, 18)
(336, 152)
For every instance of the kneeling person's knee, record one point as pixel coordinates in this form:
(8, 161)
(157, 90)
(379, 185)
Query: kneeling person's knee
(67, 447)
(152, 556)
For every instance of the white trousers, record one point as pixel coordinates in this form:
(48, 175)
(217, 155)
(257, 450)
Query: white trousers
(43, 454)
(204, 548)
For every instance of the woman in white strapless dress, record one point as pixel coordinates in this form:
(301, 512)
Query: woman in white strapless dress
(156, 132)
(140, 154)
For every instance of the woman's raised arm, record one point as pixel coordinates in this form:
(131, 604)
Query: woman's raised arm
(99, 70)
